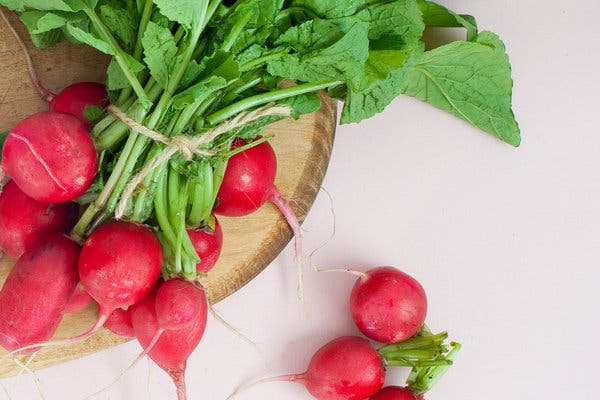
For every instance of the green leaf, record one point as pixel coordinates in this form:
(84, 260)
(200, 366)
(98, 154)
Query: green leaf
(116, 78)
(185, 12)
(88, 38)
(331, 8)
(316, 58)
(198, 92)
(93, 113)
(121, 22)
(47, 39)
(303, 104)
(38, 22)
(160, 50)
(471, 80)
(41, 5)
(436, 15)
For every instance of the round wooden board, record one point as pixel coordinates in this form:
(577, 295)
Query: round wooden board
(303, 149)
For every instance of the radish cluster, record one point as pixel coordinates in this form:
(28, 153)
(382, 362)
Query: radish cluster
(388, 306)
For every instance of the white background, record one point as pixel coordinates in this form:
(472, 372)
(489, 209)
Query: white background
(505, 241)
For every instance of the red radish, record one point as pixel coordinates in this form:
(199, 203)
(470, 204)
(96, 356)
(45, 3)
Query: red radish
(79, 300)
(388, 305)
(172, 349)
(347, 368)
(50, 156)
(36, 292)
(249, 182)
(76, 97)
(119, 264)
(208, 244)
(119, 323)
(395, 393)
(179, 304)
(24, 220)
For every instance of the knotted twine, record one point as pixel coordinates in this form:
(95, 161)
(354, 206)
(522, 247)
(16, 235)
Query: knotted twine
(187, 145)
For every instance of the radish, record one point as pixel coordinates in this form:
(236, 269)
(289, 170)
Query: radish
(75, 98)
(36, 292)
(50, 156)
(249, 182)
(119, 264)
(172, 349)
(395, 393)
(208, 244)
(119, 323)
(79, 300)
(347, 368)
(388, 305)
(24, 220)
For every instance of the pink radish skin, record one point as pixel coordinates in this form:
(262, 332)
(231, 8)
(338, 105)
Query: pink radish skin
(388, 305)
(249, 182)
(172, 349)
(79, 300)
(395, 393)
(208, 243)
(23, 221)
(347, 368)
(50, 156)
(76, 97)
(36, 292)
(119, 323)
(119, 265)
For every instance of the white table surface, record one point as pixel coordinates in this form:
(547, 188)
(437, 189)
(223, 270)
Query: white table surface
(505, 241)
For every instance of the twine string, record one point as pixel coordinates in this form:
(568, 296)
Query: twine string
(186, 145)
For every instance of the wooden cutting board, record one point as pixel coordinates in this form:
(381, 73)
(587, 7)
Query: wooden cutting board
(303, 149)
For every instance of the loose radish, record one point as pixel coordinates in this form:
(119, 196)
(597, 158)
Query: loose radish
(50, 156)
(395, 393)
(76, 97)
(388, 305)
(172, 349)
(208, 244)
(24, 220)
(249, 182)
(119, 323)
(36, 292)
(79, 300)
(347, 368)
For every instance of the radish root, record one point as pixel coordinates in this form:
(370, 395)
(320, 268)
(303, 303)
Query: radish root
(46, 95)
(239, 334)
(281, 378)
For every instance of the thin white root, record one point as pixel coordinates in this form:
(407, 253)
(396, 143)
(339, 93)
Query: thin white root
(331, 236)
(240, 335)
(25, 367)
(115, 381)
(282, 378)
(150, 365)
(5, 390)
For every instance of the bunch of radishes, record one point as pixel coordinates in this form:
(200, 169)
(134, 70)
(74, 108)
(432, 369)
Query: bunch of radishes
(50, 160)
(388, 306)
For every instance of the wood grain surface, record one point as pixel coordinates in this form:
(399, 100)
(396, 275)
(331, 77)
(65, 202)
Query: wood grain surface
(303, 149)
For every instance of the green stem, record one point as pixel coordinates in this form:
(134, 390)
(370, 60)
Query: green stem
(138, 48)
(268, 97)
(120, 57)
(422, 379)
(236, 31)
(261, 60)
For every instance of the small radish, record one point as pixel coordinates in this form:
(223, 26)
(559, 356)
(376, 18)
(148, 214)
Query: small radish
(119, 265)
(76, 97)
(172, 349)
(119, 323)
(79, 300)
(50, 156)
(208, 244)
(36, 292)
(395, 393)
(24, 220)
(249, 182)
(388, 305)
(347, 368)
